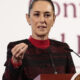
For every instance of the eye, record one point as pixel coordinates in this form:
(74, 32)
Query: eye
(36, 14)
(47, 15)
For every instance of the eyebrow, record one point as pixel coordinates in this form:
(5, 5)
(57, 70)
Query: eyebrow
(47, 12)
(44, 12)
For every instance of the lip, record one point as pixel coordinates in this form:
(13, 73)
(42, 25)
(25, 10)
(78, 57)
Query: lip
(42, 27)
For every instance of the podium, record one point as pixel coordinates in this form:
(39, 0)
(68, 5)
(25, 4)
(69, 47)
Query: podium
(54, 77)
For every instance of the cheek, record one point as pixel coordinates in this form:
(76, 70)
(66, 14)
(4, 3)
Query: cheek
(50, 22)
(34, 22)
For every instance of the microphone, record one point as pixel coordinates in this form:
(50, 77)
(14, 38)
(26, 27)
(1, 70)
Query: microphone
(52, 62)
(71, 50)
(53, 65)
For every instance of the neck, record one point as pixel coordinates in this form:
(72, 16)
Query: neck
(37, 37)
(43, 44)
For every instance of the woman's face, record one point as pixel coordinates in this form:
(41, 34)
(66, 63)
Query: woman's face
(41, 18)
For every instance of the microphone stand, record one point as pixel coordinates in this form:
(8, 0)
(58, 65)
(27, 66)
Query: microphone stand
(55, 72)
(52, 62)
(76, 54)
(68, 49)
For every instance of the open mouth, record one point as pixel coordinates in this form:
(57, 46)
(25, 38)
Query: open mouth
(41, 27)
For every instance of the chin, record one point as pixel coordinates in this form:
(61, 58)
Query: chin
(42, 34)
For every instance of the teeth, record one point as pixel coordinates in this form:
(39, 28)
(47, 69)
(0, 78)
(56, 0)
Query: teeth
(42, 27)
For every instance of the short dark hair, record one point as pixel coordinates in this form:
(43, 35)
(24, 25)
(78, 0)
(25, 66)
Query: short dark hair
(33, 1)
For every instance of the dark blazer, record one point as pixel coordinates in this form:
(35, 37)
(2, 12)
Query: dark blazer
(39, 61)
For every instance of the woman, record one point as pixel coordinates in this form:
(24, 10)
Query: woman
(37, 55)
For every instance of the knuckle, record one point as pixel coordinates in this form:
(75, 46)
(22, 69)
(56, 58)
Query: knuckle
(26, 46)
(22, 43)
(21, 52)
(12, 52)
(17, 45)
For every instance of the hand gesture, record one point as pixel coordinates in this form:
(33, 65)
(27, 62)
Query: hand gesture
(18, 52)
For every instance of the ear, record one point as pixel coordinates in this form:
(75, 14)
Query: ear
(28, 19)
(54, 17)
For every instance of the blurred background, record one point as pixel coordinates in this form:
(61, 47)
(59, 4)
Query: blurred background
(13, 26)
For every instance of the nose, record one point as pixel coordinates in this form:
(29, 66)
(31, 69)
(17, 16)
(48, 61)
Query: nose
(42, 19)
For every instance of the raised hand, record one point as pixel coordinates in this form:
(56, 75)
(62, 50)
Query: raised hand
(18, 52)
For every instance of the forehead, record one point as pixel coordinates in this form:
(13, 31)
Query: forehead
(42, 6)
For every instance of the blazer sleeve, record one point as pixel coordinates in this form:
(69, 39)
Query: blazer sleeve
(70, 68)
(70, 64)
(11, 73)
